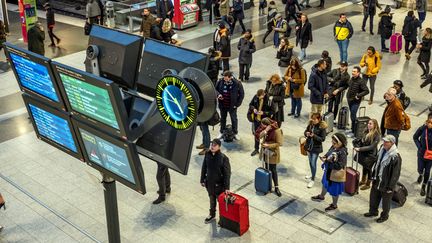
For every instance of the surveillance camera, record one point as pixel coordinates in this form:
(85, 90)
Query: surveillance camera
(92, 52)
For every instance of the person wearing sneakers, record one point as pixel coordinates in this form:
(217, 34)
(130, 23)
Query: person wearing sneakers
(372, 61)
(315, 134)
(50, 24)
(342, 32)
(367, 149)
(258, 110)
(423, 140)
(215, 175)
(385, 175)
(230, 96)
(334, 163)
(409, 32)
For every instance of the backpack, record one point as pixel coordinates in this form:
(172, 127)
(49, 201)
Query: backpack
(228, 134)
(406, 29)
(214, 120)
(407, 122)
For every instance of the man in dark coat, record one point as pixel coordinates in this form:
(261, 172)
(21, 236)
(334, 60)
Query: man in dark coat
(357, 89)
(385, 27)
(215, 175)
(36, 38)
(338, 82)
(50, 24)
(222, 43)
(369, 10)
(238, 14)
(385, 175)
(147, 21)
(318, 86)
(164, 9)
(409, 31)
(230, 95)
(303, 35)
(246, 47)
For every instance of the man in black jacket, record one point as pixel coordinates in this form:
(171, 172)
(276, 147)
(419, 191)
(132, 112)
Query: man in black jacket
(357, 89)
(36, 38)
(369, 10)
(50, 24)
(215, 175)
(338, 82)
(318, 86)
(385, 175)
(230, 95)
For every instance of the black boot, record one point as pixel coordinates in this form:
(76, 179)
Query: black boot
(419, 179)
(159, 200)
(423, 190)
(278, 193)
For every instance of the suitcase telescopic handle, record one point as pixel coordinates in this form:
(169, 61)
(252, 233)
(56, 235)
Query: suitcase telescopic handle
(364, 111)
(355, 154)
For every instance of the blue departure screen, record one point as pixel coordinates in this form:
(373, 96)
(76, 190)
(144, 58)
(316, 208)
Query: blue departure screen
(172, 52)
(107, 155)
(34, 76)
(53, 127)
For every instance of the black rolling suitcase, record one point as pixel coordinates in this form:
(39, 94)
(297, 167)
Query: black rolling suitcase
(400, 194)
(429, 193)
(361, 123)
(328, 118)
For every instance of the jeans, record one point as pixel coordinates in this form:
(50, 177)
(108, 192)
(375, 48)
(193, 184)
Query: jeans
(244, 71)
(395, 133)
(353, 107)
(163, 179)
(296, 105)
(372, 80)
(272, 168)
(423, 168)
(206, 135)
(422, 17)
(343, 49)
(233, 115)
(375, 198)
(408, 49)
(302, 55)
(365, 17)
(313, 157)
(383, 45)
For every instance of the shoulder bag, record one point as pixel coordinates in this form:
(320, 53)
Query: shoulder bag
(428, 153)
(338, 175)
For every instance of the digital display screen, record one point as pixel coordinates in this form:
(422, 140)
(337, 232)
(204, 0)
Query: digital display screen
(107, 155)
(89, 100)
(53, 127)
(172, 52)
(34, 77)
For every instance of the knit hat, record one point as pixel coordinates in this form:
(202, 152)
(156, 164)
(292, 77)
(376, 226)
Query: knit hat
(340, 138)
(398, 83)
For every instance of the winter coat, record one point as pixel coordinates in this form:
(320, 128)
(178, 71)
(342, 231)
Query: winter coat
(298, 80)
(50, 17)
(146, 24)
(93, 9)
(274, 145)
(419, 138)
(425, 50)
(246, 48)
(213, 67)
(336, 159)
(318, 86)
(291, 6)
(318, 138)
(284, 55)
(392, 162)
(356, 88)
(224, 8)
(237, 93)
(393, 115)
(163, 7)
(369, 6)
(36, 38)
(385, 26)
(238, 10)
(216, 171)
(343, 31)
(276, 94)
(373, 63)
(337, 80)
(266, 109)
(303, 34)
(224, 46)
(328, 61)
(409, 28)
(368, 150)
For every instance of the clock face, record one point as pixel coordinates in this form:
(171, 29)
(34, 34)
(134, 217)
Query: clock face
(176, 102)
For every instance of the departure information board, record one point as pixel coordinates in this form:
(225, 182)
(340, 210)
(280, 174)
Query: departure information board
(53, 127)
(34, 77)
(107, 155)
(89, 100)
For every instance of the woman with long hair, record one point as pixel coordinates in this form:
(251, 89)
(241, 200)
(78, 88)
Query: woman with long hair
(425, 52)
(295, 76)
(303, 35)
(275, 91)
(258, 110)
(284, 54)
(367, 149)
(315, 134)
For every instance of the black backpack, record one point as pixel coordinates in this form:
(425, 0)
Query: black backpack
(228, 134)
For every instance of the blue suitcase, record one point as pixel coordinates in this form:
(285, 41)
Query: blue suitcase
(263, 180)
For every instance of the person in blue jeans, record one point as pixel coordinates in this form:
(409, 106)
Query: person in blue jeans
(205, 138)
(342, 32)
(315, 134)
(423, 140)
(357, 89)
(421, 6)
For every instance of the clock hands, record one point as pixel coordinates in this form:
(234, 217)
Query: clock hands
(175, 101)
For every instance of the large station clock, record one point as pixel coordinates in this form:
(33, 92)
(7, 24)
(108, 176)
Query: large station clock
(177, 102)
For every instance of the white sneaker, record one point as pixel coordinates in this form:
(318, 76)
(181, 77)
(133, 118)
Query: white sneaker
(310, 184)
(308, 177)
(220, 136)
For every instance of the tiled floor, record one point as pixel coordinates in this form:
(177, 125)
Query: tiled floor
(52, 197)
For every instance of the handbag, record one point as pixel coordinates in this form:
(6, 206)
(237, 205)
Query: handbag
(302, 142)
(428, 153)
(338, 175)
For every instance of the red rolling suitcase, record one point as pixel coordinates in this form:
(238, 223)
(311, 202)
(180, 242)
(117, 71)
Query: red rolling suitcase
(234, 212)
(352, 178)
(395, 42)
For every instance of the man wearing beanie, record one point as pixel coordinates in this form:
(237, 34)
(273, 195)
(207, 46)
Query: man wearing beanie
(385, 175)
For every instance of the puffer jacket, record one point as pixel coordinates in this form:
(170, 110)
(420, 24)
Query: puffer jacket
(373, 63)
(356, 87)
(315, 142)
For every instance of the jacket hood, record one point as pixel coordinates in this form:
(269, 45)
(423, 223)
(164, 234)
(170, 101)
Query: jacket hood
(223, 32)
(217, 56)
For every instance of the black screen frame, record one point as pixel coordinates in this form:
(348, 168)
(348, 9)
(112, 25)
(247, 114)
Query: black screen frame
(131, 152)
(28, 99)
(39, 59)
(113, 92)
